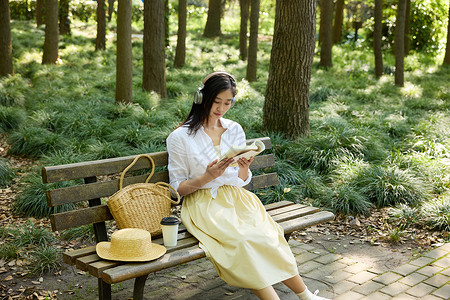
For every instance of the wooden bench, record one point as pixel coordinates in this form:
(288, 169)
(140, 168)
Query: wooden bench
(97, 183)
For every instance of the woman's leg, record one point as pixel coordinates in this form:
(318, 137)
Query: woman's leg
(267, 293)
(296, 284)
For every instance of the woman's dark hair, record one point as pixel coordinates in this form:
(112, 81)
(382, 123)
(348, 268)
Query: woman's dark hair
(212, 87)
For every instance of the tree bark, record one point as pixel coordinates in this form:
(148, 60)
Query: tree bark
(50, 54)
(154, 73)
(338, 20)
(124, 65)
(326, 21)
(110, 9)
(377, 34)
(286, 108)
(180, 52)
(400, 43)
(166, 22)
(100, 40)
(253, 43)
(6, 65)
(407, 26)
(447, 48)
(39, 12)
(212, 27)
(64, 21)
(244, 6)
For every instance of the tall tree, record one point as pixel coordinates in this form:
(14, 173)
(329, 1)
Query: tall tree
(447, 49)
(326, 23)
(180, 52)
(245, 9)
(124, 65)
(110, 9)
(338, 21)
(39, 12)
(400, 43)
(154, 73)
(377, 34)
(6, 65)
(212, 27)
(64, 21)
(50, 54)
(253, 43)
(407, 26)
(286, 108)
(100, 40)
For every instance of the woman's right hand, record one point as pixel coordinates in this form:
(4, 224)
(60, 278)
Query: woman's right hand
(217, 168)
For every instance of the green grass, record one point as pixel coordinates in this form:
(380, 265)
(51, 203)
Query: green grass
(371, 142)
(6, 172)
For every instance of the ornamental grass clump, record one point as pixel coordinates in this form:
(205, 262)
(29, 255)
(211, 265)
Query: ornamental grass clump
(436, 212)
(6, 172)
(11, 118)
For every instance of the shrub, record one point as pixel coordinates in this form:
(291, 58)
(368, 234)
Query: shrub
(349, 200)
(45, 258)
(12, 90)
(436, 212)
(6, 173)
(279, 193)
(11, 118)
(389, 185)
(404, 215)
(31, 201)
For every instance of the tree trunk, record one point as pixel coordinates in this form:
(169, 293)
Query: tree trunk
(154, 73)
(407, 26)
(180, 52)
(64, 21)
(244, 6)
(50, 54)
(100, 41)
(377, 34)
(326, 22)
(124, 65)
(447, 49)
(253, 43)
(110, 9)
(39, 12)
(400, 43)
(6, 65)
(212, 27)
(286, 108)
(338, 20)
(166, 23)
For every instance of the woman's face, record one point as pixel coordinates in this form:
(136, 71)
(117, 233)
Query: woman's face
(221, 104)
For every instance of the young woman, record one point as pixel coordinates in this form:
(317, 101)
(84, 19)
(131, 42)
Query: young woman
(245, 245)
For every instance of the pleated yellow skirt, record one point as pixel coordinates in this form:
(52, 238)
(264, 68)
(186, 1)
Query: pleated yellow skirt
(243, 242)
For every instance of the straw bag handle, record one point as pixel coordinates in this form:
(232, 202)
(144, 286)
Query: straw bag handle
(170, 187)
(132, 164)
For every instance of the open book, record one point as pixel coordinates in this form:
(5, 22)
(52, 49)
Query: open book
(247, 151)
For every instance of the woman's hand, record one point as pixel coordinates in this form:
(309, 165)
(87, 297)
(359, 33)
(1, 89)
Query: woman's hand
(244, 164)
(217, 168)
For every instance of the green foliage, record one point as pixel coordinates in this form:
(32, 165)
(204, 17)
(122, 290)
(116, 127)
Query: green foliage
(45, 258)
(404, 215)
(6, 172)
(31, 200)
(436, 212)
(348, 199)
(11, 118)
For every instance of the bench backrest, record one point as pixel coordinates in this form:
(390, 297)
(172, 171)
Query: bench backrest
(100, 179)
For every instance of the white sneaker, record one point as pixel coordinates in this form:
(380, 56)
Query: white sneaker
(315, 297)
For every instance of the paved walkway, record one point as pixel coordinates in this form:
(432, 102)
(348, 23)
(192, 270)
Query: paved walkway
(336, 276)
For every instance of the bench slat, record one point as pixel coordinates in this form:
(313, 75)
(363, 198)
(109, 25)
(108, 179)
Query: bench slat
(79, 217)
(95, 190)
(299, 212)
(262, 181)
(307, 221)
(70, 257)
(109, 166)
(82, 263)
(279, 204)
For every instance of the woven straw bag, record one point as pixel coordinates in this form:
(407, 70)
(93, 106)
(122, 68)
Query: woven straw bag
(141, 205)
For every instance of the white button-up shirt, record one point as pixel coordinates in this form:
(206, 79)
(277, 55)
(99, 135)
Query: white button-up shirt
(189, 155)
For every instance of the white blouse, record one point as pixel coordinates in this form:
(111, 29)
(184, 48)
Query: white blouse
(189, 155)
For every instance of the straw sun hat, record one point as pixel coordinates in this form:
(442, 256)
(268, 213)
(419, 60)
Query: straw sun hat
(130, 244)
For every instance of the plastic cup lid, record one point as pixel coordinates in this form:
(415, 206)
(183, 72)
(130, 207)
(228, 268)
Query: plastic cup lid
(170, 221)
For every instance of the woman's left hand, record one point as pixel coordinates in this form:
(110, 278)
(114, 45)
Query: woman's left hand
(244, 163)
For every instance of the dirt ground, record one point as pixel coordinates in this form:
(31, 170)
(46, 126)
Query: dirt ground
(365, 239)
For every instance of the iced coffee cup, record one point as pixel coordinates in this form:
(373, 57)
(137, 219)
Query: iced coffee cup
(170, 230)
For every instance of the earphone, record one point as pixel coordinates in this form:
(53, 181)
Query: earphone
(198, 95)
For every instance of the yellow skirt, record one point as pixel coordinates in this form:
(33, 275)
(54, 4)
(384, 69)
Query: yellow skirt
(239, 237)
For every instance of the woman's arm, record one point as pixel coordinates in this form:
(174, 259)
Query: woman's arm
(213, 170)
(244, 164)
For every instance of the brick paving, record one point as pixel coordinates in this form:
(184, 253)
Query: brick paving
(336, 276)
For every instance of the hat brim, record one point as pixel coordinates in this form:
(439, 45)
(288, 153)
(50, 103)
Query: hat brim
(104, 251)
